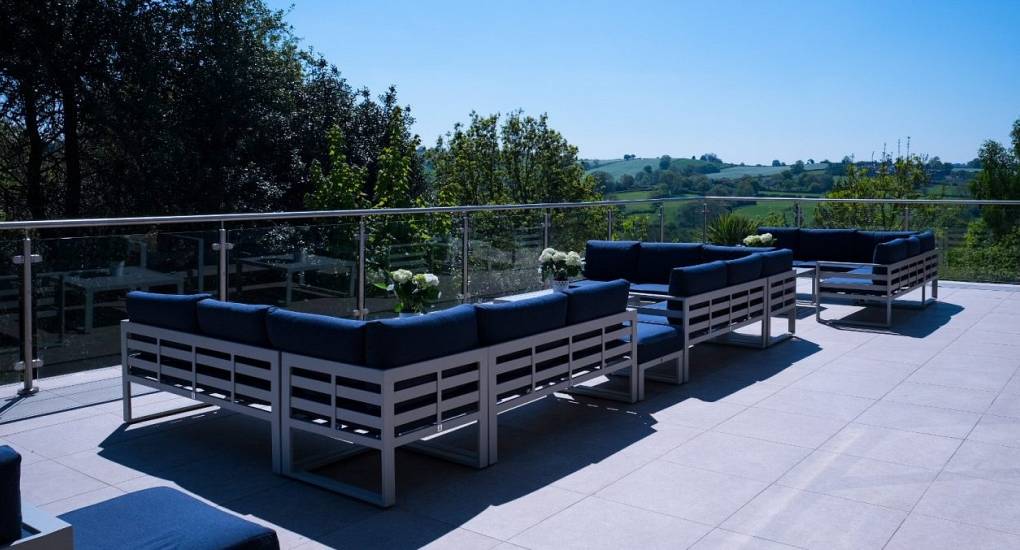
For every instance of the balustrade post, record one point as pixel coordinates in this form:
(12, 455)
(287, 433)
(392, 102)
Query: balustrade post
(222, 247)
(546, 223)
(704, 221)
(796, 214)
(609, 219)
(465, 251)
(906, 218)
(662, 222)
(28, 362)
(361, 311)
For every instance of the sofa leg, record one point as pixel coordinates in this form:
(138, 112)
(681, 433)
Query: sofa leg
(685, 374)
(791, 320)
(934, 289)
(388, 481)
(888, 313)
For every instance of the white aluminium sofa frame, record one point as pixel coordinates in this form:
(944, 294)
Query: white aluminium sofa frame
(715, 315)
(883, 288)
(230, 375)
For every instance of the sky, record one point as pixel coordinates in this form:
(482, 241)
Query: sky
(750, 81)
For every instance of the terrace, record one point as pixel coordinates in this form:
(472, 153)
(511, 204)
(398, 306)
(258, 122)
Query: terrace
(907, 437)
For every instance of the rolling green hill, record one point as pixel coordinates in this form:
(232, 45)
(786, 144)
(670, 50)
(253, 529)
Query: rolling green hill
(736, 172)
(620, 167)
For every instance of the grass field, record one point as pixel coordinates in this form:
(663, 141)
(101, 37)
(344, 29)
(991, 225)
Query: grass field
(758, 209)
(620, 167)
(736, 172)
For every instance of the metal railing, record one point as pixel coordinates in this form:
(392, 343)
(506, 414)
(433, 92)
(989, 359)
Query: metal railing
(29, 363)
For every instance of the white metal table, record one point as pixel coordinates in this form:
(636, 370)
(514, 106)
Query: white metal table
(290, 264)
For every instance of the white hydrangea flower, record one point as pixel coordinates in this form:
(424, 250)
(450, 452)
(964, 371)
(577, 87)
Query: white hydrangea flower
(560, 257)
(573, 259)
(546, 256)
(401, 276)
(431, 280)
(548, 251)
(766, 237)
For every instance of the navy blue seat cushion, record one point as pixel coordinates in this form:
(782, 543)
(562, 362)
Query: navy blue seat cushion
(594, 301)
(891, 252)
(655, 260)
(743, 270)
(322, 336)
(863, 283)
(395, 342)
(172, 311)
(866, 241)
(776, 261)
(650, 288)
(242, 323)
(10, 495)
(786, 237)
(927, 239)
(610, 260)
(512, 320)
(913, 246)
(713, 252)
(655, 339)
(697, 279)
(162, 518)
(834, 245)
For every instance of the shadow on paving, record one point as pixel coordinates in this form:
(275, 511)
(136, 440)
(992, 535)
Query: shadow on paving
(224, 457)
(910, 320)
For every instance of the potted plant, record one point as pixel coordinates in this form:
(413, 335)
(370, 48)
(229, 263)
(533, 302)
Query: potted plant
(560, 267)
(763, 240)
(415, 292)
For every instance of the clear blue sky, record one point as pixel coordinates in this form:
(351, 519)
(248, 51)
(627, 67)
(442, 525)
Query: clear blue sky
(750, 81)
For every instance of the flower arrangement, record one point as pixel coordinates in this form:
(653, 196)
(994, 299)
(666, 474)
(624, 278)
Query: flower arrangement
(560, 266)
(415, 292)
(765, 239)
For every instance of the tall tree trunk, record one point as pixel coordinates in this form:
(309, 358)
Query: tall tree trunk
(36, 201)
(72, 149)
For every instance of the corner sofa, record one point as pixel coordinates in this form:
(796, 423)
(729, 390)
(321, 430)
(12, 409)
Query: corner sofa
(692, 292)
(379, 384)
(866, 266)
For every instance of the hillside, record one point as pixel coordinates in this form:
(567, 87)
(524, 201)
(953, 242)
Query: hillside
(736, 172)
(620, 167)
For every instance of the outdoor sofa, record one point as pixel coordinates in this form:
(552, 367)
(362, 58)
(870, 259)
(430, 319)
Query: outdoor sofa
(159, 517)
(379, 384)
(691, 292)
(865, 266)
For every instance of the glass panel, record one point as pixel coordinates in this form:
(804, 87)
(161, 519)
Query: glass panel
(312, 268)
(636, 222)
(979, 243)
(504, 249)
(571, 228)
(10, 311)
(683, 220)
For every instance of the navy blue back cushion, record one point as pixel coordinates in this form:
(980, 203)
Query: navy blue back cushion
(913, 246)
(242, 323)
(776, 261)
(395, 342)
(512, 320)
(162, 517)
(10, 495)
(927, 239)
(713, 252)
(697, 279)
(609, 260)
(786, 237)
(656, 260)
(835, 245)
(742, 270)
(172, 311)
(891, 252)
(866, 241)
(321, 336)
(599, 300)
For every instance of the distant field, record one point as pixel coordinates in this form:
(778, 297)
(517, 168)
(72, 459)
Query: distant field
(757, 209)
(620, 167)
(736, 172)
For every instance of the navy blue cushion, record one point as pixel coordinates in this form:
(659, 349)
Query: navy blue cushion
(742, 270)
(655, 339)
(594, 301)
(927, 239)
(863, 283)
(697, 279)
(786, 237)
(172, 311)
(394, 342)
(236, 322)
(512, 320)
(866, 241)
(162, 517)
(835, 245)
(712, 252)
(891, 252)
(610, 260)
(650, 288)
(321, 336)
(655, 260)
(913, 246)
(10, 495)
(776, 261)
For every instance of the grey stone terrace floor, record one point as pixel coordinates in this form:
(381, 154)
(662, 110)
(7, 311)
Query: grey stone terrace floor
(842, 438)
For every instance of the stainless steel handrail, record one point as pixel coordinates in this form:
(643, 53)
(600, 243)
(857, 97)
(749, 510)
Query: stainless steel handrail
(318, 214)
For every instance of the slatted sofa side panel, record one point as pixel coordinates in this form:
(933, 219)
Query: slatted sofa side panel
(782, 290)
(537, 365)
(235, 376)
(721, 311)
(369, 406)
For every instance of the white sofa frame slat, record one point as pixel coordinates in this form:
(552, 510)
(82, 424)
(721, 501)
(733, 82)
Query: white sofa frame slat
(900, 278)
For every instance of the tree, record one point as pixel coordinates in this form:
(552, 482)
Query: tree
(711, 157)
(900, 179)
(664, 162)
(999, 179)
(342, 187)
(777, 163)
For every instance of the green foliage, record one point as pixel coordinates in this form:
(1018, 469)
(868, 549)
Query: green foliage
(730, 229)
(342, 188)
(903, 178)
(999, 179)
